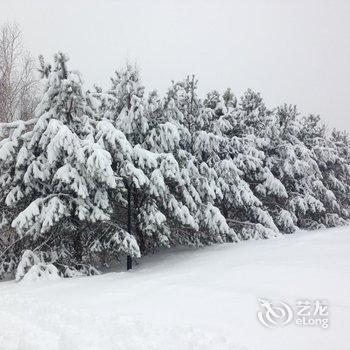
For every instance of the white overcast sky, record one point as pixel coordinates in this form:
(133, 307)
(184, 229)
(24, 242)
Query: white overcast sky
(294, 51)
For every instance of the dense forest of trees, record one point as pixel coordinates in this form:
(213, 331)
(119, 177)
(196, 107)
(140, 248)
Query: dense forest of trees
(93, 176)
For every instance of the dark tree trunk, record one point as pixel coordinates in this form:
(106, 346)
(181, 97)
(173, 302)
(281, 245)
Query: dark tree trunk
(78, 248)
(128, 258)
(140, 238)
(224, 211)
(77, 236)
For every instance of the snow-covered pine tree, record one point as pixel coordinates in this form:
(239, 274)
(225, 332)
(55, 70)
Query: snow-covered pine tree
(331, 157)
(235, 157)
(200, 145)
(10, 243)
(264, 131)
(61, 178)
(285, 159)
(292, 162)
(168, 208)
(338, 179)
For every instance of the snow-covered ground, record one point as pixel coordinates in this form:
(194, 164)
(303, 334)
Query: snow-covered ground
(203, 299)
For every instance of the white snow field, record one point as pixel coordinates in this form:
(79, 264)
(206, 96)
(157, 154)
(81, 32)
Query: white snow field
(201, 299)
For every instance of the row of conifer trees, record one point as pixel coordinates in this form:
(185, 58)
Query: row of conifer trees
(99, 175)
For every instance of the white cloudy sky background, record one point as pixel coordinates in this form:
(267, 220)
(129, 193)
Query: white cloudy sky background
(294, 51)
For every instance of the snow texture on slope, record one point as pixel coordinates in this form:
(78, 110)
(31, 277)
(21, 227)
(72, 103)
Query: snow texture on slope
(185, 299)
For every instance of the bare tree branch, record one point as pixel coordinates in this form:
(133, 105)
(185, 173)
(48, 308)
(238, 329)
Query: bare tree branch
(18, 86)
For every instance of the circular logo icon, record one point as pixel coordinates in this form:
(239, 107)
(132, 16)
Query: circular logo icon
(271, 315)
